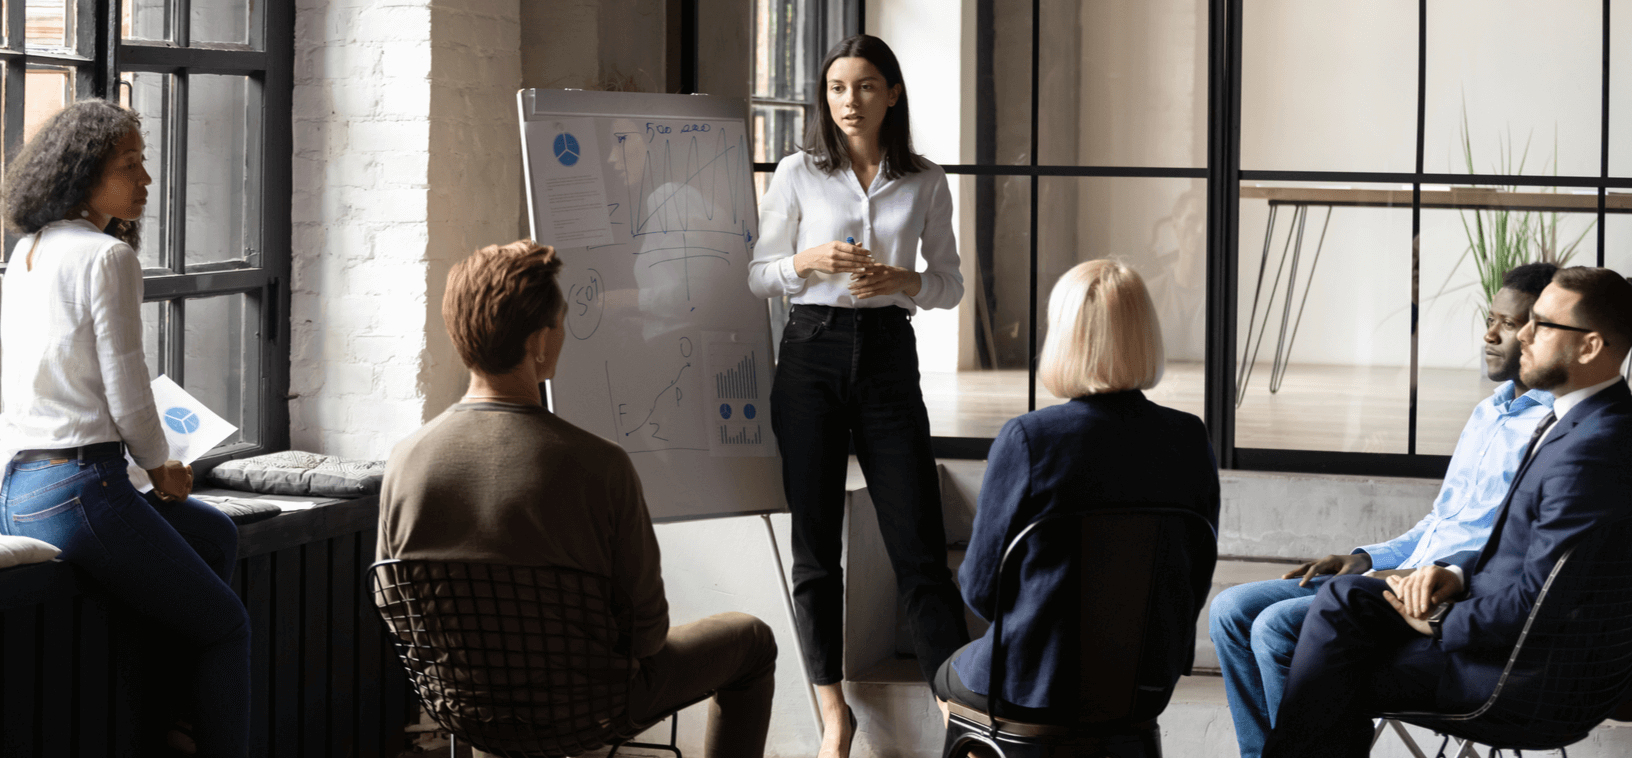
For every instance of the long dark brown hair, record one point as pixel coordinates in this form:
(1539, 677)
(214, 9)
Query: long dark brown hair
(827, 144)
(55, 171)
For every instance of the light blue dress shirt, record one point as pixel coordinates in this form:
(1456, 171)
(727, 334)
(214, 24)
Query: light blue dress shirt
(1482, 468)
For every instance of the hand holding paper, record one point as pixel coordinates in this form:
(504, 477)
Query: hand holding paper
(192, 430)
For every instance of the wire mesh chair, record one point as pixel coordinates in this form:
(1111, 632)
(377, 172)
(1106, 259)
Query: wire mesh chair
(1571, 667)
(519, 661)
(1143, 573)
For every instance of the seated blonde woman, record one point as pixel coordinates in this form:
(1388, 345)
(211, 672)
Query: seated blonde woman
(497, 478)
(1109, 446)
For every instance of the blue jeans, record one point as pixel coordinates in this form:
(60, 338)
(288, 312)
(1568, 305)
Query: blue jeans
(1255, 628)
(171, 562)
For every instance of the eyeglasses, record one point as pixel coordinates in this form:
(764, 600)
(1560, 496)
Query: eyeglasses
(1540, 324)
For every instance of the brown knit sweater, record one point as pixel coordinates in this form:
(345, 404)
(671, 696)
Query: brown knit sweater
(501, 483)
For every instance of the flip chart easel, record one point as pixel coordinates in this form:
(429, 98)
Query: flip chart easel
(650, 201)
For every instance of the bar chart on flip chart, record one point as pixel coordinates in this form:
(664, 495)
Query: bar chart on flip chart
(734, 368)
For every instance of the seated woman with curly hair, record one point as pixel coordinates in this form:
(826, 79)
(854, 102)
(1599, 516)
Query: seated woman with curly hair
(77, 397)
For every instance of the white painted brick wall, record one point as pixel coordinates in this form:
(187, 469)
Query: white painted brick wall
(392, 98)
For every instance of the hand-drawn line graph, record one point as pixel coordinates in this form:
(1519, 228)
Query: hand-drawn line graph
(687, 193)
(664, 416)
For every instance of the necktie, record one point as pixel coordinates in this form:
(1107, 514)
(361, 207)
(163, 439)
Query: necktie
(1535, 439)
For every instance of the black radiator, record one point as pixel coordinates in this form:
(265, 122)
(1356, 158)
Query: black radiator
(325, 680)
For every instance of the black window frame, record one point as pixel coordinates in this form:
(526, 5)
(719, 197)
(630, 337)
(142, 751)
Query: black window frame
(264, 276)
(1223, 175)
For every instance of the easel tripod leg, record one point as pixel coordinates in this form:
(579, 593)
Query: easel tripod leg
(787, 605)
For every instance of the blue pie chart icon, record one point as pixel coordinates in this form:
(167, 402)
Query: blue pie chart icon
(725, 410)
(181, 420)
(566, 149)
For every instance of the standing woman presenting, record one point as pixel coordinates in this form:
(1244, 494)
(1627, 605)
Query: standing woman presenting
(76, 394)
(841, 228)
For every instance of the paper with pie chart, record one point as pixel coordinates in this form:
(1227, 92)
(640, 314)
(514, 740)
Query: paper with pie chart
(737, 378)
(575, 186)
(191, 428)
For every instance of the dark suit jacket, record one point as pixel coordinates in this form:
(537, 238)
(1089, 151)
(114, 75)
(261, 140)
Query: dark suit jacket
(1100, 450)
(1579, 477)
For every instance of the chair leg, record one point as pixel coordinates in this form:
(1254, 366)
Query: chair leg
(453, 745)
(1405, 736)
(672, 747)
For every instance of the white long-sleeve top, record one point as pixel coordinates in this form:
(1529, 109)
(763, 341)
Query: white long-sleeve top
(894, 219)
(74, 372)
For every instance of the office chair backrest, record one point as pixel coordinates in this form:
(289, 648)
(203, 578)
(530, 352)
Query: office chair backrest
(516, 660)
(1572, 666)
(1143, 573)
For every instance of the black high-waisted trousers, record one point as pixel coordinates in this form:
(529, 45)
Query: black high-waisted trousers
(852, 373)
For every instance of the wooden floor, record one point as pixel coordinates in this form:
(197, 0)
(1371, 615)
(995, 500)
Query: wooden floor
(1342, 408)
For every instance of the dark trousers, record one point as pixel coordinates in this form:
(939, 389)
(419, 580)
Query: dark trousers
(852, 374)
(1356, 657)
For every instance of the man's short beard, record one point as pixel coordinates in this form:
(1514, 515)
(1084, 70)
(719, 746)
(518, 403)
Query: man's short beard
(1545, 377)
(1509, 370)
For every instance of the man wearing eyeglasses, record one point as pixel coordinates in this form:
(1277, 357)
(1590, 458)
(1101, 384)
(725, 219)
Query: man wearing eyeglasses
(1438, 639)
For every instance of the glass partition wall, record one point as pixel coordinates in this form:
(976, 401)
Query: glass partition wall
(1317, 194)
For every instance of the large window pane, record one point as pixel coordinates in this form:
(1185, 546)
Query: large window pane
(1329, 86)
(219, 349)
(46, 90)
(1618, 239)
(49, 23)
(777, 131)
(972, 390)
(1011, 85)
(783, 50)
(1526, 75)
(218, 200)
(1343, 336)
(145, 20)
(220, 21)
(1156, 226)
(1123, 83)
(1465, 252)
(149, 95)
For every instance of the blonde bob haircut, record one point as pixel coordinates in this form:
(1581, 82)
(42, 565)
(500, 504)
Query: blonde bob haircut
(1103, 333)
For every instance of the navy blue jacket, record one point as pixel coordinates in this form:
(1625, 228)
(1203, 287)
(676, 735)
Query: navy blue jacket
(1579, 478)
(1100, 450)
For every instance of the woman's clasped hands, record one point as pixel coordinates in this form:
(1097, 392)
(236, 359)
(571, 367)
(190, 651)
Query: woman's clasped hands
(868, 277)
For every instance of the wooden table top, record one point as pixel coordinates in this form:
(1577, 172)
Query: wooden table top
(1470, 198)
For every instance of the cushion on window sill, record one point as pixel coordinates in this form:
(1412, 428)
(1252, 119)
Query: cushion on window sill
(246, 510)
(20, 551)
(296, 472)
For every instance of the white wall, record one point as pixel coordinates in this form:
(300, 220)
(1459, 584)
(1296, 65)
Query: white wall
(405, 160)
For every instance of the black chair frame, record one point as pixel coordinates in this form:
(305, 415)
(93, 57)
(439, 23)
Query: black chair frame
(997, 730)
(598, 609)
(1489, 724)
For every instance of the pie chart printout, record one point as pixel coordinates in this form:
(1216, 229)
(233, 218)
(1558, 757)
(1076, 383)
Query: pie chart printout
(181, 420)
(566, 149)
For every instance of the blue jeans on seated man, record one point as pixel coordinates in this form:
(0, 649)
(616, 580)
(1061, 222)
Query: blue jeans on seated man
(170, 562)
(1254, 628)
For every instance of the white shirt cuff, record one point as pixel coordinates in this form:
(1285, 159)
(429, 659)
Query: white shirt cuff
(792, 283)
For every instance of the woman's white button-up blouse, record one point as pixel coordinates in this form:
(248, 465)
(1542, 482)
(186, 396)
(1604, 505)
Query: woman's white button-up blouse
(75, 370)
(805, 207)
